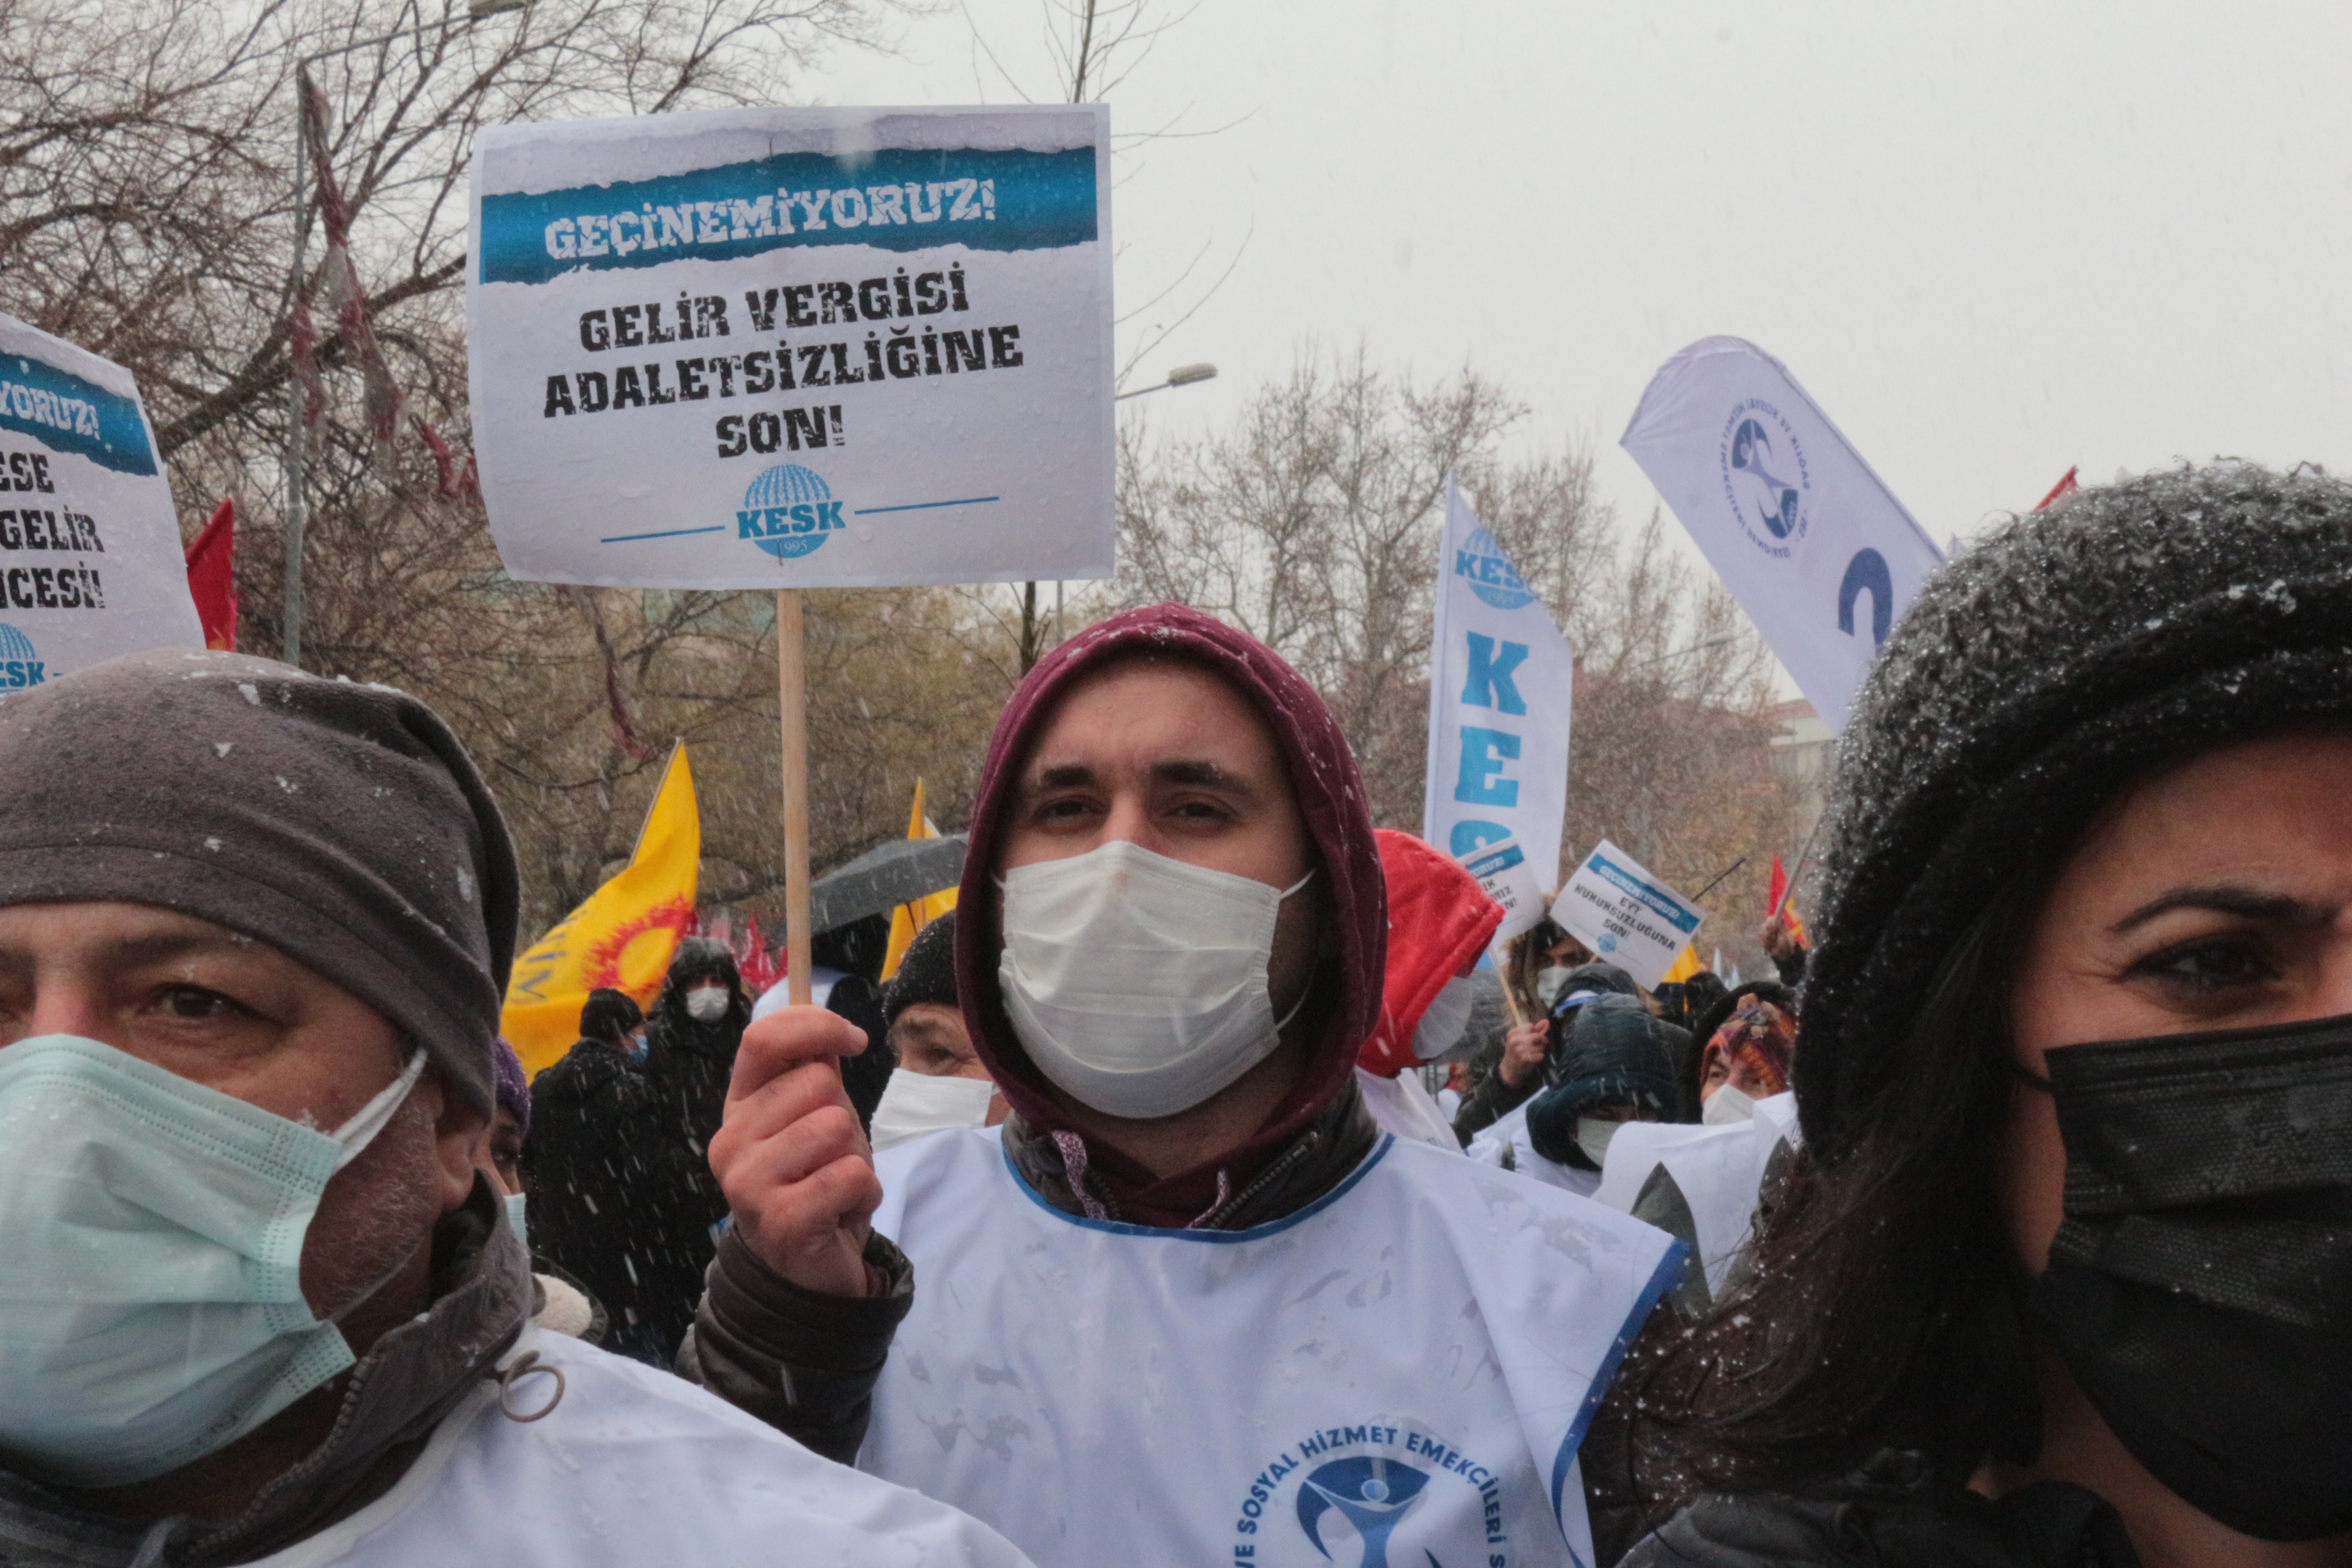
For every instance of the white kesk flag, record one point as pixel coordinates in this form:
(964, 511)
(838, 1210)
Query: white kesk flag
(1612, 905)
(1813, 545)
(90, 564)
(1499, 688)
(789, 348)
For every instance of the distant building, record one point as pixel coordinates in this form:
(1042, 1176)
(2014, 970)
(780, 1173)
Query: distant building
(1803, 748)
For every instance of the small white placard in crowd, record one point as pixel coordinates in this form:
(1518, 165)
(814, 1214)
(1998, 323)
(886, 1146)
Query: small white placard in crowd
(90, 563)
(795, 348)
(1503, 869)
(1627, 917)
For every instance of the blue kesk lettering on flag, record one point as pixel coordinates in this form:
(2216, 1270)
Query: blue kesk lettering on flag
(1500, 699)
(1614, 905)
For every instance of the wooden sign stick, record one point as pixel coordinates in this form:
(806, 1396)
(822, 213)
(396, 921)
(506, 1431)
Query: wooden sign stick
(792, 697)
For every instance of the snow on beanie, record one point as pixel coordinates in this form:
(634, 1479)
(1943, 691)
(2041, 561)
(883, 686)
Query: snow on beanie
(340, 823)
(2035, 676)
(926, 971)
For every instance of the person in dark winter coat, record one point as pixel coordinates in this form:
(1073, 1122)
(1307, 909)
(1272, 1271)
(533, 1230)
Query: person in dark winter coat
(589, 1167)
(2063, 1273)
(1616, 1064)
(690, 1042)
(1520, 1073)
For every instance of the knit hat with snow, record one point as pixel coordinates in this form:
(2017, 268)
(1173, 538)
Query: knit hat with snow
(340, 823)
(2033, 677)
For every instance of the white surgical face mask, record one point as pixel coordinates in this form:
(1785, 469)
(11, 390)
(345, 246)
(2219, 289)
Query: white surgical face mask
(1136, 982)
(517, 1221)
(1441, 1024)
(707, 1003)
(150, 1283)
(1592, 1136)
(1726, 1106)
(1548, 981)
(914, 1103)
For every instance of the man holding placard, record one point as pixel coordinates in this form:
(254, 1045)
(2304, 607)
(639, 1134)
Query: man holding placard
(1187, 1304)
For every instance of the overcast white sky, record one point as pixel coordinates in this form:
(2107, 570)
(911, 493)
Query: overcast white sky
(1992, 239)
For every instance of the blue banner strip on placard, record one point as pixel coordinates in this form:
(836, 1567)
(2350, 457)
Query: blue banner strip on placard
(896, 199)
(67, 414)
(1669, 909)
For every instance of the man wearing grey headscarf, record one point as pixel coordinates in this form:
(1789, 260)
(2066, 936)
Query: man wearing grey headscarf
(255, 926)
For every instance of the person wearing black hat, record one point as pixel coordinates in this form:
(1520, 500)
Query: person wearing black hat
(939, 1080)
(2064, 1274)
(1616, 1064)
(258, 1298)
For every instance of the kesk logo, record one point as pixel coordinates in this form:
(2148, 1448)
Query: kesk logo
(789, 511)
(1765, 476)
(20, 664)
(1491, 576)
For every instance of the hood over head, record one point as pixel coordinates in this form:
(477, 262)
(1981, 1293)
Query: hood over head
(1330, 798)
(696, 957)
(1440, 920)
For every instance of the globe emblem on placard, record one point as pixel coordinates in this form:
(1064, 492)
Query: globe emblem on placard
(20, 661)
(789, 511)
(1491, 576)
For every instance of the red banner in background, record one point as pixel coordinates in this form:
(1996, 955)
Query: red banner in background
(211, 577)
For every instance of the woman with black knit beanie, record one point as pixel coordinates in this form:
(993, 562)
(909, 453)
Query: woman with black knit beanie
(2064, 1273)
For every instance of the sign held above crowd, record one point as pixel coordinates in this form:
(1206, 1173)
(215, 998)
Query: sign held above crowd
(1615, 906)
(795, 347)
(90, 565)
(1808, 540)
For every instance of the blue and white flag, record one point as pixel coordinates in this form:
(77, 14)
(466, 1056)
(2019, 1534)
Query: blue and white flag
(1808, 540)
(90, 565)
(778, 348)
(1500, 680)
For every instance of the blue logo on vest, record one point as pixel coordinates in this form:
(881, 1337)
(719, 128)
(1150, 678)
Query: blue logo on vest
(788, 511)
(20, 664)
(1370, 1492)
(1491, 576)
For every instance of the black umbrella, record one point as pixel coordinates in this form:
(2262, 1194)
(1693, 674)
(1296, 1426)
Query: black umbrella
(899, 872)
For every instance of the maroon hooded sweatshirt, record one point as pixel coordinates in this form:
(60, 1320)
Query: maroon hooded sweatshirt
(1330, 797)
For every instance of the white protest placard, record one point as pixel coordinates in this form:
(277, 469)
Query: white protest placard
(1808, 540)
(795, 348)
(1500, 690)
(1503, 870)
(90, 565)
(1612, 905)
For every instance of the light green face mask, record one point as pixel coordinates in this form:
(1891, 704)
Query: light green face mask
(151, 1253)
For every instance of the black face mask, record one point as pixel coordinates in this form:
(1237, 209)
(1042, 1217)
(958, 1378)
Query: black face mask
(2201, 1287)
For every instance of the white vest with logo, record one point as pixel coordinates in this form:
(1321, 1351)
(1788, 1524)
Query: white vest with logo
(1397, 1374)
(633, 1468)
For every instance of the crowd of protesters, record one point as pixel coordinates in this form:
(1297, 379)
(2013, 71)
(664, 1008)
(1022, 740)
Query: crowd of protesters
(2010, 1224)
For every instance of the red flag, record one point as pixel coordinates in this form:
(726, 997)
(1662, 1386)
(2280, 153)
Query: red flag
(2064, 487)
(1778, 890)
(212, 578)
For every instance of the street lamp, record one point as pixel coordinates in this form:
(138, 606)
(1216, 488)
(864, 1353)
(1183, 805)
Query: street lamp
(475, 10)
(1182, 375)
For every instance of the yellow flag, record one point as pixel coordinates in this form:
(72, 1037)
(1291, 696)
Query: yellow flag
(909, 919)
(622, 937)
(1685, 966)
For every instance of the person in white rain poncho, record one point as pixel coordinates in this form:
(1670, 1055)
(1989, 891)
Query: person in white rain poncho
(258, 1300)
(1188, 1304)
